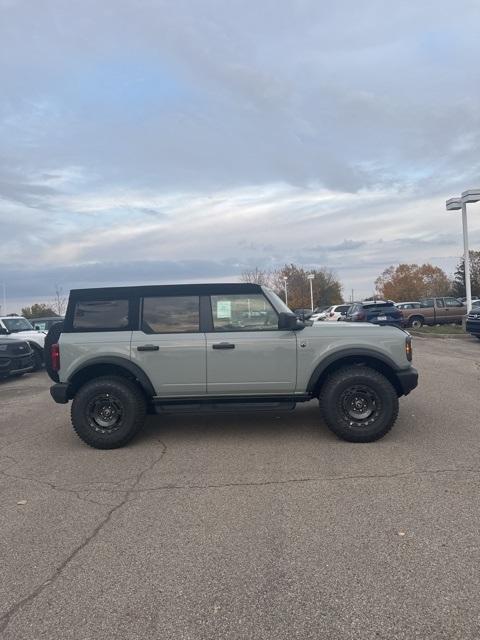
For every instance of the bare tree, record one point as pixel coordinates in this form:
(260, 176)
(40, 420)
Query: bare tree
(59, 303)
(256, 276)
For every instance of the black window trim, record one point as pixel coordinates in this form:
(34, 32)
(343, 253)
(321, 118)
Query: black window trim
(209, 311)
(168, 333)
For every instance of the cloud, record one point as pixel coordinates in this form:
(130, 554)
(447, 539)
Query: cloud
(230, 134)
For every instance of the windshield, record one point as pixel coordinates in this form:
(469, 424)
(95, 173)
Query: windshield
(14, 325)
(277, 302)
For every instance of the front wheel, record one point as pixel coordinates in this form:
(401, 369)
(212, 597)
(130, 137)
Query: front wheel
(107, 412)
(359, 404)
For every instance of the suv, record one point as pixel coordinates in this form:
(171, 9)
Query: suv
(16, 357)
(21, 328)
(126, 351)
(375, 311)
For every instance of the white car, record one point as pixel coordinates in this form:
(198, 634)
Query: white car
(332, 314)
(19, 327)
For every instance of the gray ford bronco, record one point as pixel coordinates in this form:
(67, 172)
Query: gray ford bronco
(126, 351)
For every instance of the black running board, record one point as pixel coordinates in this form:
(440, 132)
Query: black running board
(227, 403)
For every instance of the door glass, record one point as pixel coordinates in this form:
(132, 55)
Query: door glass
(440, 303)
(171, 314)
(451, 302)
(243, 313)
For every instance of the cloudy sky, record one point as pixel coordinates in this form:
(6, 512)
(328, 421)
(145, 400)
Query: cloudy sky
(186, 140)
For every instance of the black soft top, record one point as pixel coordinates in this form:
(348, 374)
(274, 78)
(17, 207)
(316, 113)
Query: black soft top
(215, 288)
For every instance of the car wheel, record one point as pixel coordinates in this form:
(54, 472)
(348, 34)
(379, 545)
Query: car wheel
(359, 404)
(107, 412)
(416, 323)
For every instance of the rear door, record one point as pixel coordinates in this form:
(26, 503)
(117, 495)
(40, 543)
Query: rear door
(169, 346)
(246, 352)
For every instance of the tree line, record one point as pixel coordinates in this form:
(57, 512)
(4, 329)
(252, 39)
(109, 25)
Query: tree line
(412, 281)
(398, 282)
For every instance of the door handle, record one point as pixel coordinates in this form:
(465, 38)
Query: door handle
(148, 347)
(223, 345)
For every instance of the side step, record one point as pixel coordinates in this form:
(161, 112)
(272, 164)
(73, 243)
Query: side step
(226, 404)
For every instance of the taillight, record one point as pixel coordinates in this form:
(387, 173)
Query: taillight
(55, 356)
(408, 348)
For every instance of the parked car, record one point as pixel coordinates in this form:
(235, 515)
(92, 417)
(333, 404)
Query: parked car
(435, 310)
(21, 328)
(126, 350)
(16, 357)
(335, 313)
(303, 314)
(44, 324)
(472, 324)
(375, 311)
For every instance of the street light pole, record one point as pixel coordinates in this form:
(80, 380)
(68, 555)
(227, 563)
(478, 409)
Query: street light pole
(466, 258)
(455, 204)
(310, 277)
(285, 287)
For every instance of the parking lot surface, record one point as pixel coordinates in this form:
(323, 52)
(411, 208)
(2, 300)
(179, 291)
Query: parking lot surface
(246, 526)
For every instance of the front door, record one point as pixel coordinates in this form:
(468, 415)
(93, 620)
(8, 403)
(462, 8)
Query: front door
(246, 352)
(169, 346)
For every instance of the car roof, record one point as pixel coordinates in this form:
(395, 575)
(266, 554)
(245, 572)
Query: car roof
(214, 288)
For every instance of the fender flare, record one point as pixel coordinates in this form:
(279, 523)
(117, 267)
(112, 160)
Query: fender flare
(123, 363)
(348, 353)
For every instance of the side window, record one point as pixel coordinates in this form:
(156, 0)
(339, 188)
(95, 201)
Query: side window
(439, 303)
(427, 303)
(171, 314)
(103, 315)
(452, 302)
(243, 313)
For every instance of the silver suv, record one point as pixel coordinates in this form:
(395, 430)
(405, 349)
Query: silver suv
(125, 351)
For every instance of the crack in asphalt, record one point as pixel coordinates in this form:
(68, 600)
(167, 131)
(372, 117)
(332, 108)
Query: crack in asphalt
(7, 616)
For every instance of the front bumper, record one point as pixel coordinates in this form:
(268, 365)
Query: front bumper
(408, 380)
(473, 327)
(59, 392)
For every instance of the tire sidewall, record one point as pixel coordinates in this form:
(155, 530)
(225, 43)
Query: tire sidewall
(132, 404)
(340, 423)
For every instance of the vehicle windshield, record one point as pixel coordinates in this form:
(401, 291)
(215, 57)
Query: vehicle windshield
(15, 325)
(277, 302)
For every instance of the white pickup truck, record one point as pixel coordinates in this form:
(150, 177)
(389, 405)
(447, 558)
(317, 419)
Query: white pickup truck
(20, 327)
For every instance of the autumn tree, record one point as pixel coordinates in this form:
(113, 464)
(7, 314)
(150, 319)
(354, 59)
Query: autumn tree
(412, 282)
(38, 310)
(327, 289)
(459, 276)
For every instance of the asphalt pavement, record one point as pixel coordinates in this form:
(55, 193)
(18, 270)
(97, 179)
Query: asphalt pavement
(238, 526)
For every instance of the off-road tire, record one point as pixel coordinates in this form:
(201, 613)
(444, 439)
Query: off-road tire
(122, 394)
(416, 322)
(340, 392)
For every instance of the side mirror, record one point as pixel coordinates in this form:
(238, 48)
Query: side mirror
(288, 321)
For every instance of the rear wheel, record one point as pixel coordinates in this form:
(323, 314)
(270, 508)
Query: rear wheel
(359, 404)
(416, 323)
(107, 412)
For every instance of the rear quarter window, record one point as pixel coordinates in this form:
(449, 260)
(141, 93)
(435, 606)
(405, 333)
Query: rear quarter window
(96, 315)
